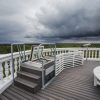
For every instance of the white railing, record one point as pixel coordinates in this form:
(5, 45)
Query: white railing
(6, 63)
(90, 54)
(68, 60)
(6, 69)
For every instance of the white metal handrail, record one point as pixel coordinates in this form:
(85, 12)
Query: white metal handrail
(68, 60)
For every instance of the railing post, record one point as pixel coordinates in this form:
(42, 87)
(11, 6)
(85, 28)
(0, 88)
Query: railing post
(87, 53)
(73, 60)
(99, 54)
(6, 69)
(24, 52)
(95, 53)
(1, 71)
(92, 54)
(55, 59)
(15, 65)
(82, 57)
(83, 54)
(12, 61)
(43, 83)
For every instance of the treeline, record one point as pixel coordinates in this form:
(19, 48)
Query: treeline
(6, 48)
(66, 45)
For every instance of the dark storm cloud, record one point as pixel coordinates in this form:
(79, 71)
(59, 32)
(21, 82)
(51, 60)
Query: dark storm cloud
(79, 20)
(49, 20)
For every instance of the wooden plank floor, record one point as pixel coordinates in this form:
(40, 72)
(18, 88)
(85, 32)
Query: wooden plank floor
(70, 84)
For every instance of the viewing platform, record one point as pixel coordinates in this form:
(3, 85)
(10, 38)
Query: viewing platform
(71, 84)
(73, 79)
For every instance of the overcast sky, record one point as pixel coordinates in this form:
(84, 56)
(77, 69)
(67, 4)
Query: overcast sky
(49, 20)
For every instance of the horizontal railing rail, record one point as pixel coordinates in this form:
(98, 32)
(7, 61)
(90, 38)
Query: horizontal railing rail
(89, 53)
(68, 60)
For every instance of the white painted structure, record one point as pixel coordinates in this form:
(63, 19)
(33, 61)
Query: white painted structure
(64, 55)
(68, 60)
(96, 72)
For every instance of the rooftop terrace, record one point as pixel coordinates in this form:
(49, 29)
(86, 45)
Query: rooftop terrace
(71, 84)
(70, 74)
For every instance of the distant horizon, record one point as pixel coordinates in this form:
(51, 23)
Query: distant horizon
(66, 41)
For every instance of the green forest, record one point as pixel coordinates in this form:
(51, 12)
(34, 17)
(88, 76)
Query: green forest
(6, 48)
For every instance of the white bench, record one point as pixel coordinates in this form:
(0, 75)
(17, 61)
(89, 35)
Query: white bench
(96, 72)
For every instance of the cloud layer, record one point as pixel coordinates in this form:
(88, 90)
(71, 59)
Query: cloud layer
(49, 20)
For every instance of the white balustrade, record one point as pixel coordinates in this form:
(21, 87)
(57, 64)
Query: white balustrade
(6, 63)
(92, 54)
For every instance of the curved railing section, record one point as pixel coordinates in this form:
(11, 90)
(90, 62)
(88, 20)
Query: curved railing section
(68, 60)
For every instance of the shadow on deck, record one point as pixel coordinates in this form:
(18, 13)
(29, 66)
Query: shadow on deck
(71, 84)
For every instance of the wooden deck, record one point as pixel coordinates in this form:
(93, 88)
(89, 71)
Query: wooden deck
(71, 84)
